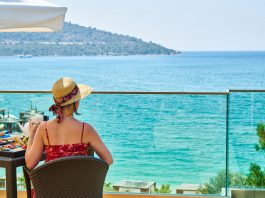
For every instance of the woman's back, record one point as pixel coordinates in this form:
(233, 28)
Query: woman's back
(67, 132)
(64, 139)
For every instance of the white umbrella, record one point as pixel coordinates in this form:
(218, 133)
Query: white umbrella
(30, 16)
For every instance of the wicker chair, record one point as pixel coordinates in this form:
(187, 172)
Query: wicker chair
(68, 177)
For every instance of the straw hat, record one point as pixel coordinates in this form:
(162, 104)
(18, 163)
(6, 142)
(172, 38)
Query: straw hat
(65, 85)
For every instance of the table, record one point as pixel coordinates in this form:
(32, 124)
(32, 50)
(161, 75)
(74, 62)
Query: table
(11, 164)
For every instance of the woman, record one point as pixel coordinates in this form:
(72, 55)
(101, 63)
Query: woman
(65, 135)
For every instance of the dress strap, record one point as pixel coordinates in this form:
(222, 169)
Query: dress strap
(82, 133)
(47, 132)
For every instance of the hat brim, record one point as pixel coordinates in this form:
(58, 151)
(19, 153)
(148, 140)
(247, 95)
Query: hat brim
(83, 92)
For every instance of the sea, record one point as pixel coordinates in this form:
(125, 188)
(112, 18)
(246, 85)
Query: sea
(166, 138)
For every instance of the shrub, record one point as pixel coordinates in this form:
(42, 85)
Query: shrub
(215, 184)
(255, 177)
(165, 188)
(108, 187)
(261, 134)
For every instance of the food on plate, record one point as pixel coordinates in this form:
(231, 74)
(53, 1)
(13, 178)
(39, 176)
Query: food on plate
(14, 143)
(2, 148)
(15, 140)
(25, 139)
(10, 146)
(3, 141)
(18, 141)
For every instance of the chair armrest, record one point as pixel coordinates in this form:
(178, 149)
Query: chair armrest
(27, 181)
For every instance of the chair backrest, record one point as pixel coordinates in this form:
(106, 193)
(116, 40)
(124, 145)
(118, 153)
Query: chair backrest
(68, 177)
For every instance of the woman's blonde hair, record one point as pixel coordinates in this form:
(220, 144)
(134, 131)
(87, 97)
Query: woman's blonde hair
(71, 107)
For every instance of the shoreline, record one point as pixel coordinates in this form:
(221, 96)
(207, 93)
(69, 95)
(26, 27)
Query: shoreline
(120, 55)
(144, 55)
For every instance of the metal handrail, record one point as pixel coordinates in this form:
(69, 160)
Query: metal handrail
(160, 92)
(143, 92)
(25, 91)
(246, 90)
(122, 92)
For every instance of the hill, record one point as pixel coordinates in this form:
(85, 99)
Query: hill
(76, 40)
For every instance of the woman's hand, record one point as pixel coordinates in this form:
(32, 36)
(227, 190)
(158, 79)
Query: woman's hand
(32, 128)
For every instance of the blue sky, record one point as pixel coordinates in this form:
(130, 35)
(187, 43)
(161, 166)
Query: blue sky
(187, 25)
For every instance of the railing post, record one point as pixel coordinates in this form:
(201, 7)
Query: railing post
(227, 146)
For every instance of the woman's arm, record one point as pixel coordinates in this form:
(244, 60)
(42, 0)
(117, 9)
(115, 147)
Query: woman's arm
(100, 148)
(35, 145)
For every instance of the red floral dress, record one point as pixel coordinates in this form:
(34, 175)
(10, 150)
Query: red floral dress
(56, 151)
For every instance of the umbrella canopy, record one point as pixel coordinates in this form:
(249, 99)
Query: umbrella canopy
(8, 120)
(30, 16)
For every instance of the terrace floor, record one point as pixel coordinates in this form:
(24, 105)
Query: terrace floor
(22, 194)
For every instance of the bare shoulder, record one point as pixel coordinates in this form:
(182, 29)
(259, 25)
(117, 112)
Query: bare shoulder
(49, 122)
(42, 125)
(89, 133)
(41, 128)
(88, 128)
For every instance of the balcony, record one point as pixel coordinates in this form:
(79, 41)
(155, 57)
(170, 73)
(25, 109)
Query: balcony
(176, 139)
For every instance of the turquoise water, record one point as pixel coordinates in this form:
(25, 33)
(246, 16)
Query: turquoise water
(191, 71)
(165, 138)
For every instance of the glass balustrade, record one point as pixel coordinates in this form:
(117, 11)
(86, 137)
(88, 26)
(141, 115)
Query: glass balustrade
(246, 118)
(175, 141)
